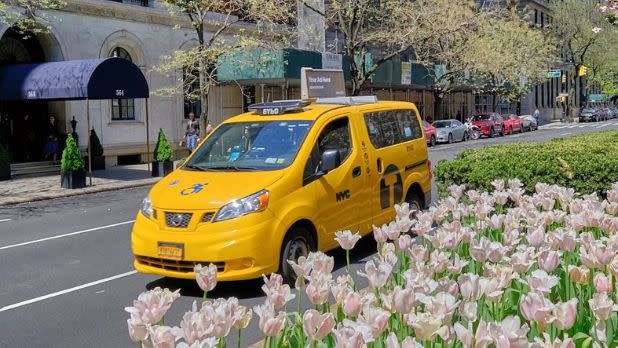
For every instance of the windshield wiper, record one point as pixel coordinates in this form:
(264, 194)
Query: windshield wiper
(195, 167)
(229, 167)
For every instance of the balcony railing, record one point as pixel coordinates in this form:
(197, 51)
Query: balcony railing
(144, 3)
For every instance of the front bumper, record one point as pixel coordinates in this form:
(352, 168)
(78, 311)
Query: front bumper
(442, 138)
(242, 248)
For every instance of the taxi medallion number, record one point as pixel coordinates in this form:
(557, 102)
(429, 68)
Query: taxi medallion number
(170, 251)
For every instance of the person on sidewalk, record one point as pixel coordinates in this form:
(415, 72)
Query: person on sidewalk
(192, 132)
(51, 144)
(536, 115)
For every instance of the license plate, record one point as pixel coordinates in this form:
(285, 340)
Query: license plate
(171, 251)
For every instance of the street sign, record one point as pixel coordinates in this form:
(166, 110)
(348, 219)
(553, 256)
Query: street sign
(563, 94)
(554, 73)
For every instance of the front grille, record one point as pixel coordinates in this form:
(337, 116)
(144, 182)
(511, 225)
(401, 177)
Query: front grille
(179, 266)
(207, 217)
(177, 220)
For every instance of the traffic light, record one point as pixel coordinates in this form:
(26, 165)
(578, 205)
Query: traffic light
(564, 78)
(582, 71)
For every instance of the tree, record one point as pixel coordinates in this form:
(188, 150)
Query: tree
(222, 27)
(573, 22)
(368, 25)
(26, 14)
(508, 56)
(163, 150)
(71, 158)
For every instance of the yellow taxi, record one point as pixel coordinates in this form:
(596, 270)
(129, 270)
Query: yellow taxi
(275, 183)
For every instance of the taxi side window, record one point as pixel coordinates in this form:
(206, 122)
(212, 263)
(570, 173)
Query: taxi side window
(335, 135)
(392, 127)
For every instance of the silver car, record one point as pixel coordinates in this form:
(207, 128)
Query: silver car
(529, 123)
(448, 131)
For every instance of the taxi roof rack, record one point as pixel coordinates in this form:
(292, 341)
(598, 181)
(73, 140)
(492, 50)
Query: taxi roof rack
(357, 100)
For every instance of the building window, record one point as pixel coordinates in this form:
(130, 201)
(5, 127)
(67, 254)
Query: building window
(122, 109)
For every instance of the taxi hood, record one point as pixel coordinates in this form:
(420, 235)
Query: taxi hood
(198, 190)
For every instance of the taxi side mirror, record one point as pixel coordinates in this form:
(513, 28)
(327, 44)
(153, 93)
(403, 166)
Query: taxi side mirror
(331, 159)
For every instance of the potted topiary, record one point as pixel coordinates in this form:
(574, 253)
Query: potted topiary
(5, 164)
(162, 155)
(98, 160)
(72, 173)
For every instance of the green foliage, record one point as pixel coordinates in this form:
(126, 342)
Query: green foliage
(97, 148)
(25, 14)
(163, 151)
(587, 163)
(4, 157)
(71, 157)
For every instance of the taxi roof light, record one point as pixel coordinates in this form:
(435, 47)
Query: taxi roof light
(280, 107)
(358, 100)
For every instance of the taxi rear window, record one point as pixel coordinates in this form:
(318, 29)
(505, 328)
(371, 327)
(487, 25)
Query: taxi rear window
(392, 127)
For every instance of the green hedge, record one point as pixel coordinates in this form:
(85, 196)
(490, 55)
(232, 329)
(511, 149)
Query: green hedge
(586, 162)
(163, 150)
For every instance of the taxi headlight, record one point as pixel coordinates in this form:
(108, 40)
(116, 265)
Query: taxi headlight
(147, 207)
(250, 204)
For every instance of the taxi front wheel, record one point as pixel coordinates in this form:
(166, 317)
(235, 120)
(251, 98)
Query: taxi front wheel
(297, 243)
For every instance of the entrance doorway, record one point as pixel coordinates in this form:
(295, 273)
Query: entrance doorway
(24, 125)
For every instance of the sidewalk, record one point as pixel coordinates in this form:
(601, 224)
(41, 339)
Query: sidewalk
(47, 187)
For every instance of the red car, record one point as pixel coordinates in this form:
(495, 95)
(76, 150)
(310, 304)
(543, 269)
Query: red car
(489, 123)
(512, 123)
(430, 133)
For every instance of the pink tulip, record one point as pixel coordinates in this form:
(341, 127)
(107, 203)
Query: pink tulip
(377, 273)
(375, 318)
(509, 332)
(404, 300)
(138, 332)
(151, 306)
(426, 326)
(206, 277)
(602, 306)
(321, 262)
(404, 242)
(349, 337)
(162, 337)
(603, 253)
(521, 261)
(352, 302)
(439, 261)
(319, 287)
(316, 326)
(457, 265)
(549, 260)
(468, 310)
(210, 342)
(479, 250)
(579, 275)
(449, 286)
(547, 342)
(469, 287)
(302, 269)
(496, 252)
(195, 326)
(441, 306)
(277, 293)
(269, 323)
(343, 286)
(456, 191)
(613, 266)
(242, 317)
(346, 239)
(536, 308)
(379, 234)
(492, 288)
(536, 237)
(602, 283)
(498, 184)
(539, 281)
(565, 314)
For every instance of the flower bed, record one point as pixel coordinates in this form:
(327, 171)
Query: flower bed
(499, 269)
(586, 163)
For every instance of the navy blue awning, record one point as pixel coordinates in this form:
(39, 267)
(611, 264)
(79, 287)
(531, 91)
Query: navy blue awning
(109, 78)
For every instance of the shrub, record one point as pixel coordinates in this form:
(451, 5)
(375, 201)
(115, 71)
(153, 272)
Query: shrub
(163, 151)
(71, 158)
(97, 148)
(587, 163)
(4, 157)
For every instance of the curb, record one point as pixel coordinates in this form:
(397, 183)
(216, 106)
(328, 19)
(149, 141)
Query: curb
(79, 192)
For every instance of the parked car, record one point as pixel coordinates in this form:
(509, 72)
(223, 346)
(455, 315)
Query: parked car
(614, 111)
(512, 124)
(589, 115)
(529, 123)
(430, 133)
(490, 123)
(448, 131)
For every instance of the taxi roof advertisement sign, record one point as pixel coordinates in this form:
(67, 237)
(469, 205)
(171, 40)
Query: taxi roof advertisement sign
(321, 83)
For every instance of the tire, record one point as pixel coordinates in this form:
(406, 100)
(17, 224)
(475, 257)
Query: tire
(466, 136)
(521, 129)
(297, 242)
(432, 141)
(415, 201)
(502, 131)
(450, 138)
(510, 131)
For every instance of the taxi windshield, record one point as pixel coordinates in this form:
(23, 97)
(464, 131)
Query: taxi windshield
(246, 146)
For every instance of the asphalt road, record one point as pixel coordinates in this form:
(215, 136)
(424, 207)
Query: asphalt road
(66, 268)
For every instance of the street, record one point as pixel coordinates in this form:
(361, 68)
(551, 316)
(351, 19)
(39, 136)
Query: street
(67, 269)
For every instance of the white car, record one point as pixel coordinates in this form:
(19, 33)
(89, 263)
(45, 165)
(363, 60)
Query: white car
(529, 123)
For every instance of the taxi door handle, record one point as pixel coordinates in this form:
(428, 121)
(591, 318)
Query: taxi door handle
(356, 172)
(380, 165)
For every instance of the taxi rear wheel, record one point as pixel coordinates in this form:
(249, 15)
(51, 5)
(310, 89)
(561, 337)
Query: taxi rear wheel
(297, 243)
